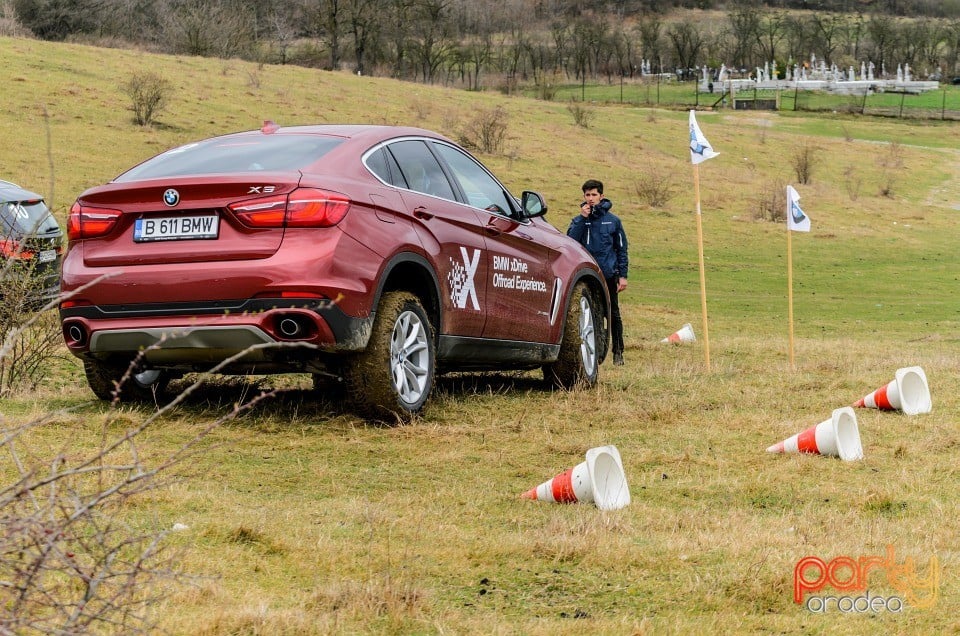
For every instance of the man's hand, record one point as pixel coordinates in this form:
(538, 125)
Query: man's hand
(621, 284)
(585, 209)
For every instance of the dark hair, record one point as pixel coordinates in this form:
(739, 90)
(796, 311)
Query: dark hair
(590, 184)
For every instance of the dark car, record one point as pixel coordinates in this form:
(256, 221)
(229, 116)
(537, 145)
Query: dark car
(31, 242)
(370, 256)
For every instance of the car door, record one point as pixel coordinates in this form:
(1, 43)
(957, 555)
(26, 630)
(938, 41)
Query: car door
(451, 234)
(521, 291)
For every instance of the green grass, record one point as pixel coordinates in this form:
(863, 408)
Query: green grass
(304, 519)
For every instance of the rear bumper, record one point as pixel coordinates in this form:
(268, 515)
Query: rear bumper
(190, 336)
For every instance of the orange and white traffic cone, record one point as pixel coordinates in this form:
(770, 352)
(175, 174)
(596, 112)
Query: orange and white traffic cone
(839, 436)
(907, 392)
(599, 480)
(683, 334)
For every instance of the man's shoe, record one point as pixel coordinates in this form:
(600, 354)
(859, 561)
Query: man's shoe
(618, 359)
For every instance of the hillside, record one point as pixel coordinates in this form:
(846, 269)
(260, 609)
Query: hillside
(299, 518)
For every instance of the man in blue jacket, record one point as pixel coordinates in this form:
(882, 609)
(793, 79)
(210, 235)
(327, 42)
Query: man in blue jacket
(601, 232)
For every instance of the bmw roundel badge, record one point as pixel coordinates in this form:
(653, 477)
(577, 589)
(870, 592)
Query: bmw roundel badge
(171, 197)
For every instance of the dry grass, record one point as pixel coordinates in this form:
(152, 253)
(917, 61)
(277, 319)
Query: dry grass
(307, 521)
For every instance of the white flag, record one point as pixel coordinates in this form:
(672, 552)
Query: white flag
(700, 148)
(796, 219)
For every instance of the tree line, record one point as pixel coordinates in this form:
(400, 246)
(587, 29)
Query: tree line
(481, 43)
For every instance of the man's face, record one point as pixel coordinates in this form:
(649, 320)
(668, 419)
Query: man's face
(592, 196)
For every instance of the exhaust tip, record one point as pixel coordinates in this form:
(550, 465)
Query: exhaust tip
(290, 327)
(76, 335)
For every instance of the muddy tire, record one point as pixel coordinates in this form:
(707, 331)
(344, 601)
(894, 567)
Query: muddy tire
(579, 359)
(142, 386)
(393, 377)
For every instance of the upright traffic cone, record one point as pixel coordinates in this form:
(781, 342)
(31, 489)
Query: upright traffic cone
(600, 480)
(839, 436)
(907, 392)
(683, 334)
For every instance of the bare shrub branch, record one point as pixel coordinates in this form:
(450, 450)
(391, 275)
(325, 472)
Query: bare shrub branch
(546, 90)
(654, 188)
(486, 131)
(582, 115)
(73, 556)
(148, 94)
(891, 164)
(772, 203)
(804, 160)
(852, 182)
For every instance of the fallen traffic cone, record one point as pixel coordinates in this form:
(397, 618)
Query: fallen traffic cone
(838, 436)
(907, 392)
(600, 479)
(684, 334)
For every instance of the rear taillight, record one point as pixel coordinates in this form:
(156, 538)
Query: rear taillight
(316, 208)
(88, 222)
(305, 207)
(266, 212)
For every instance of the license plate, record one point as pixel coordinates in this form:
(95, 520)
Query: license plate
(46, 256)
(176, 228)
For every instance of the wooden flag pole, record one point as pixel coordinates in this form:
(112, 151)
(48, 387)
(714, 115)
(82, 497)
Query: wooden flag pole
(790, 294)
(703, 279)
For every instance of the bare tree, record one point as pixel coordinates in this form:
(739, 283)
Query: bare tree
(856, 33)
(399, 14)
(580, 52)
(282, 34)
(882, 32)
(770, 34)
(651, 39)
(198, 27)
(927, 40)
(327, 18)
(561, 35)
(624, 52)
(364, 25)
(58, 19)
(828, 31)
(431, 42)
(687, 41)
(952, 46)
(744, 29)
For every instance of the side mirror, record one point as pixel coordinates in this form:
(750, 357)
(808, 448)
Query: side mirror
(533, 204)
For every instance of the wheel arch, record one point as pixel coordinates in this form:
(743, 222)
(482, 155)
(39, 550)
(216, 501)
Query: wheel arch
(413, 273)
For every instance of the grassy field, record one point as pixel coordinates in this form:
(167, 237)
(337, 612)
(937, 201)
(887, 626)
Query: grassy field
(302, 519)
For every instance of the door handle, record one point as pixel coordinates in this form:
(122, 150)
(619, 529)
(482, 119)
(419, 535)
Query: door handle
(421, 213)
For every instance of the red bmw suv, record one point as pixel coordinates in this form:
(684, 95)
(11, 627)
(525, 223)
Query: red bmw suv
(374, 256)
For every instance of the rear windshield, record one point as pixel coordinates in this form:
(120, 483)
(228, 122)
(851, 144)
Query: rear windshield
(227, 155)
(27, 217)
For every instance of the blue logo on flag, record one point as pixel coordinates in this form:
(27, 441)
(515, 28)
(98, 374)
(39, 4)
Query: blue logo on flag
(797, 213)
(695, 145)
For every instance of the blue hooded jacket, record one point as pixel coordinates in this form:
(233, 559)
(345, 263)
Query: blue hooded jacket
(603, 236)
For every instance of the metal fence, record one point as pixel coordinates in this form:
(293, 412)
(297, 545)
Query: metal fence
(662, 91)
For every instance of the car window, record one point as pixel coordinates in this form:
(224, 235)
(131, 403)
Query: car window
(481, 189)
(420, 169)
(26, 218)
(235, 154)
(381, 163)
